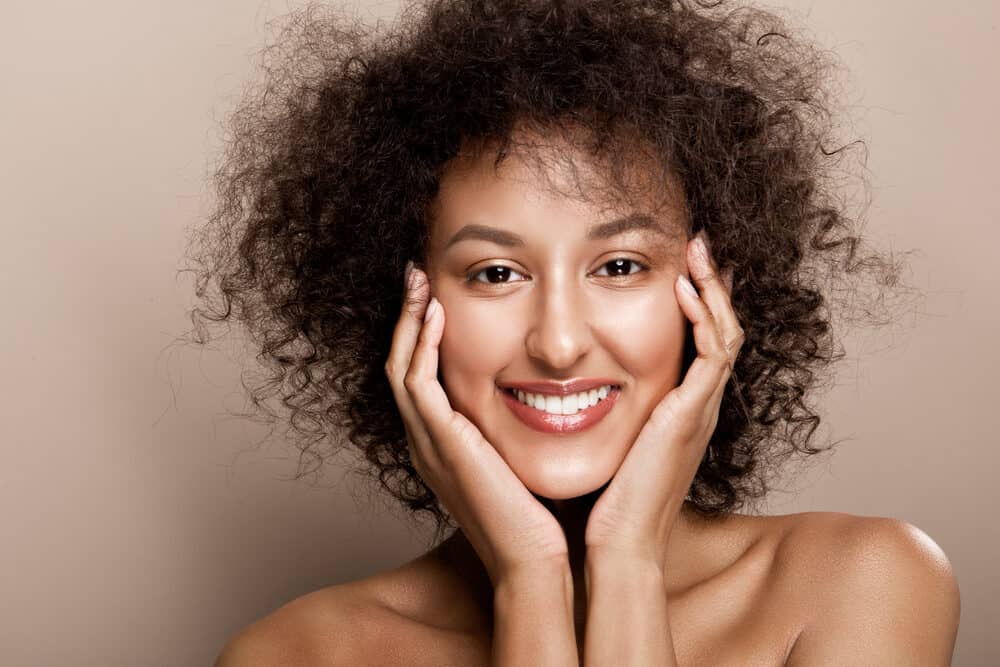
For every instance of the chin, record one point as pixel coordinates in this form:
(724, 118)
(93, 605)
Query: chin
(559, 478)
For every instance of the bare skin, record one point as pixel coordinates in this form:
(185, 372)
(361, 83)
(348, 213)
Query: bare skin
(803, 589)
(749, 592)
(601, 562)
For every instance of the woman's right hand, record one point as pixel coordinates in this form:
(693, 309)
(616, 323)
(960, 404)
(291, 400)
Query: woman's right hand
(511, 531)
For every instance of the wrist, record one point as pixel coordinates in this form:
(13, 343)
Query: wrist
(535, 575)
(533, 616)
(622, 569)
(628, 621)
(612, 557)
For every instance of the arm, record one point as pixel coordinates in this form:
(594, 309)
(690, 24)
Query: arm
(533, 618)
(891, 600)
(627, 620)
(519, 541)
(630, 525)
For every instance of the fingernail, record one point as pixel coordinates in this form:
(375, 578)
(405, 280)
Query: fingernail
(686, 284)
(703, 247)
(407, 275)
(431, 309)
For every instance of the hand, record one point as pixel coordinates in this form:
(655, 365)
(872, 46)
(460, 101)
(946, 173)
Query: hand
(634, 516)
(508, 527)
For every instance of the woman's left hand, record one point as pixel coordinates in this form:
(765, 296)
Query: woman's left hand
(634, 515)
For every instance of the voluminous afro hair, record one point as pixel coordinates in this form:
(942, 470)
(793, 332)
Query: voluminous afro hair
(335, 157)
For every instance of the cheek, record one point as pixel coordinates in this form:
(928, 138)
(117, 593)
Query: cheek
(473, 349)
(645, 332)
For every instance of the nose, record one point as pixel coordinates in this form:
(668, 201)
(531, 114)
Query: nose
(560, 333)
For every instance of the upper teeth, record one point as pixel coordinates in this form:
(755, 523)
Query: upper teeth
(564, 405)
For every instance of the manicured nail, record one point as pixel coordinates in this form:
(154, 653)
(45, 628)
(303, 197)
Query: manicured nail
(407, 279)
(431, 309)
(702, 242)
(686, 284)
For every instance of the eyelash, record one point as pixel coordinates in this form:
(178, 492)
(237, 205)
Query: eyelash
(472, 276)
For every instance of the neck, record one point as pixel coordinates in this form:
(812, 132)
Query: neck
(572, 515)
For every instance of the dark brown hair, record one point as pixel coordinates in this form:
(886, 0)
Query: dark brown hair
(335, 156)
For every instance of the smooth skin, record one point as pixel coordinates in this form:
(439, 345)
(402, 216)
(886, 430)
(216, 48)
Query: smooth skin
(626, 576)
(806, 589)
(520, 542)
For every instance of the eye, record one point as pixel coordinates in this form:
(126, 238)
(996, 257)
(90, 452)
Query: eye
(495, 275)
(619, 267)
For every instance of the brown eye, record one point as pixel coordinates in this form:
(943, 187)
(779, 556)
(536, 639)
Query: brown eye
(621, 267)
(496, 274)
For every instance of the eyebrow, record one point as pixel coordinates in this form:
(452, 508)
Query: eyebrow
(598, 232)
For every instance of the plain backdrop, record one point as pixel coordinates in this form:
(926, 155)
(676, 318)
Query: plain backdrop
(141, 524)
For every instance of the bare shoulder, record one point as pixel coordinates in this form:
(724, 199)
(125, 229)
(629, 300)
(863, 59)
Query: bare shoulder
(408, 615)
(321, 627)
(871, 590)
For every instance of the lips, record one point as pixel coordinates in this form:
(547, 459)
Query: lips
(553, 388)
(544, 422)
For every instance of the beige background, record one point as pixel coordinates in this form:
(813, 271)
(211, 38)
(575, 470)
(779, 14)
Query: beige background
(142, 526)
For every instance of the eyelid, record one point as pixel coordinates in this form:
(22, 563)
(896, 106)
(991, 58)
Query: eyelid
(471, 277)
(643, 265)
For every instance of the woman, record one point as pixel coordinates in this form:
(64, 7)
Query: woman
(615, 231)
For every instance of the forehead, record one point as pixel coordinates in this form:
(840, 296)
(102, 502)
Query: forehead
(554, 170)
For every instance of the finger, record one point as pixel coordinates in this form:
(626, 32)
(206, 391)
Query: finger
(478, 471)
(711, 366)
(425, 391)
(715, 291)
(404, 337)
(683, 413)
(404, 340)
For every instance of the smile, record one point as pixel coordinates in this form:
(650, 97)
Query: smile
(561, 414)
(564, 405)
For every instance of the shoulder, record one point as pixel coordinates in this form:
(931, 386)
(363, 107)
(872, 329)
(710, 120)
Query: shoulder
(872, 590)
(322, 627)
(388, 618)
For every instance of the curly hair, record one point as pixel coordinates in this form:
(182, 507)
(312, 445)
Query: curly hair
(335, 157)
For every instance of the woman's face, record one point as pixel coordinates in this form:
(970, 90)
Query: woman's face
(544, 287)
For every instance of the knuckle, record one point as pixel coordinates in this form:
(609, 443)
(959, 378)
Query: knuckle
(720, 363)
(721, 356)
(464, 429)
(659, 418)
(413, 299)
(736, 342)
(667, 410)
(412, 305)
(411, 381)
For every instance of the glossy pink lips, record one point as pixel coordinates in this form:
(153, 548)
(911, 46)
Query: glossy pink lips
(549, 423)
